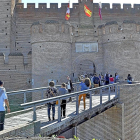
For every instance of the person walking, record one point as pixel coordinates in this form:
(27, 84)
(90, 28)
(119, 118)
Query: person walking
(96, 82)
(3, 101)
(102, 80)
(51, 92)
(116, 77)
(69, 87)
(107, 79)
(63, 91)
(111, 81)
(129, 79)
(85, 84)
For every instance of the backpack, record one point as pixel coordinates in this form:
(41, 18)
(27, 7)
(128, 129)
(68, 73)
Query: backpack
(107, 78)
(96, 80)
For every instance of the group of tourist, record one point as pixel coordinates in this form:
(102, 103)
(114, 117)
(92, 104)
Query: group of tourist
(100, 80)
(52, 91)
(87, 82)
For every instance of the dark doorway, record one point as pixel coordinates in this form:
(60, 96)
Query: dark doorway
(86, 67)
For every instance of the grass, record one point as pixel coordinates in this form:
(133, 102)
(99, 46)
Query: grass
(16, 100)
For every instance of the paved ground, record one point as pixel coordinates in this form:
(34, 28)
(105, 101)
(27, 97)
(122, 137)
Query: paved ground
(42, 113)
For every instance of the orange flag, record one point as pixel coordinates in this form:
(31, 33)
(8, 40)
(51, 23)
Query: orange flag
(68, 12)
(87, 11)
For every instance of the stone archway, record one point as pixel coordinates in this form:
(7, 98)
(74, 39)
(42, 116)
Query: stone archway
(81, 67)
(86, 67)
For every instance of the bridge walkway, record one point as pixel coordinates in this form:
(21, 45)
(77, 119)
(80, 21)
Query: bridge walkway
(25, 118)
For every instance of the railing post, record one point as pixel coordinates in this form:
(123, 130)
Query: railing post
(115, 91)
(42, 94)
(59, 111)
(25, 97)
(100, 96)
(90, 99)
(34, 113)
(77, 105)
(109, 94)
(118, 92)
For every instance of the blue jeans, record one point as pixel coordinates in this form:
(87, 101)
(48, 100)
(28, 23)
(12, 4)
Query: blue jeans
(129, 82)
(2, 117)
(53, 109)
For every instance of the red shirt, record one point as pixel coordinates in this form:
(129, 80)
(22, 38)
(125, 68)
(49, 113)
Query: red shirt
(111, 79)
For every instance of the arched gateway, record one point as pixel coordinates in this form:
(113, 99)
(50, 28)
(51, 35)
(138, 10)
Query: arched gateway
(84, 67)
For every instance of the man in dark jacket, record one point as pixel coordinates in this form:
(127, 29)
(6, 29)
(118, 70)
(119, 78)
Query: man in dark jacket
(96, 81)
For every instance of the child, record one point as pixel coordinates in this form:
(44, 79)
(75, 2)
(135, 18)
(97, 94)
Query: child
(63, 91)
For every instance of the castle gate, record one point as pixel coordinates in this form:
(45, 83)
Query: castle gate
(83, 66)
(86, 67)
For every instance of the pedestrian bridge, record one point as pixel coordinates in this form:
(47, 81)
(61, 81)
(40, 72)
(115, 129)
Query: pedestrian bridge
(33, 120)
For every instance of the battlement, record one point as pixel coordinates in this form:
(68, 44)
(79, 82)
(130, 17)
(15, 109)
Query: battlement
(112, 31)
(106, 7)
(113, 27)
(45, 30)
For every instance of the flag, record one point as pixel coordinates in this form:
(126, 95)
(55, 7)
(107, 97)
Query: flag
(68, 12)
(87, 11)
(100, 14)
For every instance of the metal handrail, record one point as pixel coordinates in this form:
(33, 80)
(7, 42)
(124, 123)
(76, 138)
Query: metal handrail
(33, 90)
(59, 98)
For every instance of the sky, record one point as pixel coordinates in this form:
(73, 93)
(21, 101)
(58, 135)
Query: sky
(76, 1)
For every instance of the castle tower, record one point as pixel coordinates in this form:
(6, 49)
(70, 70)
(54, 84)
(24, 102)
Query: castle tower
(5, 30)
(84, 20)
(86, 28)
(51, 59)
(121, 48)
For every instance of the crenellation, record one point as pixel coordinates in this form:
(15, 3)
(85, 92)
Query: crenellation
(85, 1)
(106, 8)
(127, 27)
(95, 7)
(54, 6)
(116, 8)
(42, 6)
(137, 7)
(64, 6)
(19, 6)
(75, 10)
(75, 4)
(127, 8)
(30, 6)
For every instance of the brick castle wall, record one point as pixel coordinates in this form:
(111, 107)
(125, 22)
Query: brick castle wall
(17, 37)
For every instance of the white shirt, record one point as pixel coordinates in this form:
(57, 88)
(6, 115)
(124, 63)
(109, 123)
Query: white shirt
(68, 85)
(2, 98)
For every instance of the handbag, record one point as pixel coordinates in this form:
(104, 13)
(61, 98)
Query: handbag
(54, 96)
(57, 102)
